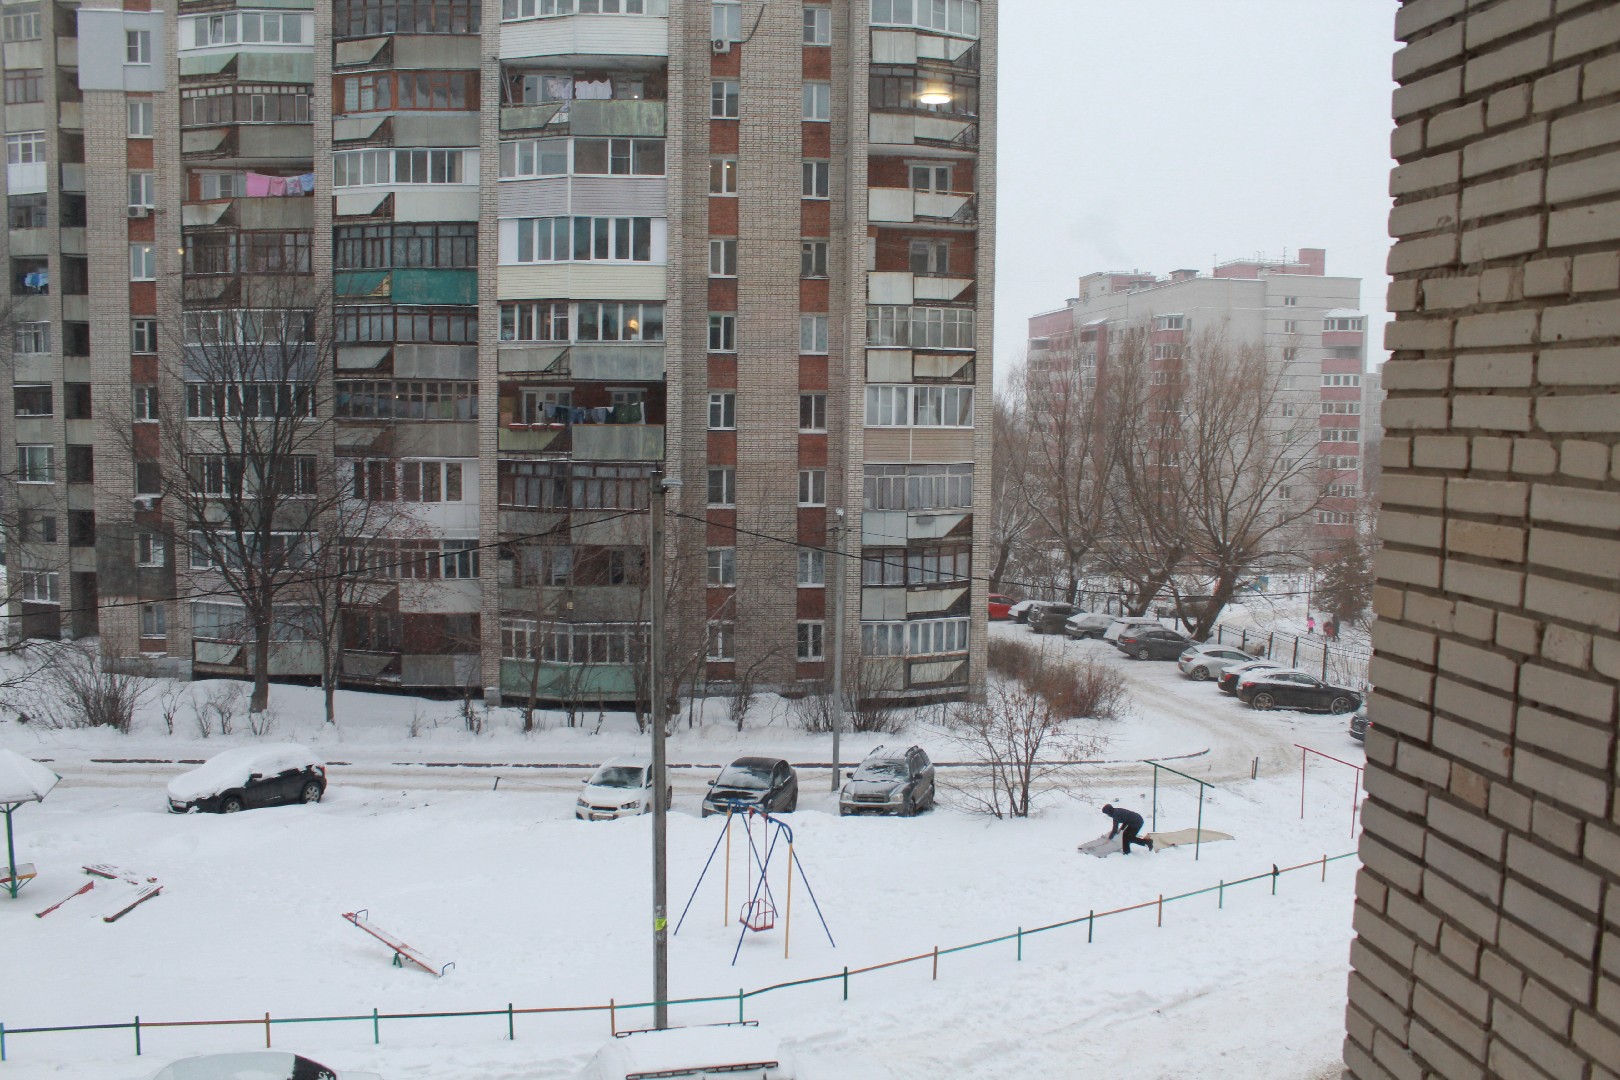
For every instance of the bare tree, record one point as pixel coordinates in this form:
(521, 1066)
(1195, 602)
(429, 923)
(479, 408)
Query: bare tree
(1012, 512)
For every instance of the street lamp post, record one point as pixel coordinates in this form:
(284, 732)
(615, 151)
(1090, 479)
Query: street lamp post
(660, 768)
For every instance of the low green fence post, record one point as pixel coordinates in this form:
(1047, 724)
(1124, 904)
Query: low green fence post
(510, 1035)
(137, 1036)
(1220, 894)
(2, 1042)
(846, 982)
(739, 1004)
(1274, 873)
(1020, 943)
(1091, 919)
(376, 1029)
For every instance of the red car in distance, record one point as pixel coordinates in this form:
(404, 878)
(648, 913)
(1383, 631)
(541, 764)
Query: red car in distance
(1000, 606)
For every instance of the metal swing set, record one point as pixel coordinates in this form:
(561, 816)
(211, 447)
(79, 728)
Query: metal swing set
(758, 913)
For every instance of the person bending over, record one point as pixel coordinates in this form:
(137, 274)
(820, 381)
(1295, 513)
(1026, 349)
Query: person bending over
(1128, 823)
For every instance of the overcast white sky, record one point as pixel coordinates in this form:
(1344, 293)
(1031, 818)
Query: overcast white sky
(1158, 134)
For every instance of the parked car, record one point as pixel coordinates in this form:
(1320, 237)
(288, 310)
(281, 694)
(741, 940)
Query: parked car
(1086, 624)
(1152, 643)
(693, 1053)
(619, 788)
(753, 783)
(890, 780)
(1020, 611)
(1000, 606)
(1359, 724)
(248, 777)
(1123, 623)
(1290, 688)
(1203, 662)
(254, 1065)
(1227, 683)
(1049, 618)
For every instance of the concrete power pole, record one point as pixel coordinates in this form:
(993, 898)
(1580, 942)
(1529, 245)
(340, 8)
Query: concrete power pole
(660, 769)
(838, 643)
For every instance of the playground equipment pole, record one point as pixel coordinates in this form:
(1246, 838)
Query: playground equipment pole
(838, 644)
(787, 922)
(655, 673)
(12, 884)
(725, 896)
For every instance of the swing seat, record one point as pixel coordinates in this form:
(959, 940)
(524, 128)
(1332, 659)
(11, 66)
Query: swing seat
(757, 915)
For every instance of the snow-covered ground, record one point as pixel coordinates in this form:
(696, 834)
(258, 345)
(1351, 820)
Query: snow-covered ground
(537, 909)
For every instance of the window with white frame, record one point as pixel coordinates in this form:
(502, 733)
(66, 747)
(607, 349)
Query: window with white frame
(1169, 322)
(146, 404)
(813, 334)
(154, 621)
(359, 168)
(935, 178)
(813, 259)
(20, 22)
(817, 101)
(920, 327)
(722, 492)
(722, 176)
(723, 101)
(722, 333)
(905, 405)
(586, 239)
(812, 412)
(588, 320)
(1340, 491)
(817, 25)
(923, 637)
(1332, 517)
(430, 481)
(817, 176)
(1341, 408)
(1290, 301)
(25, 148)
(722, 569)
(1341, 434)
(140, 118)
(36, 464)
(1341, 380)
(810, 634)
(725, 20)
(812, 487)
(557, 156)
(722, 258)
(529, 9)
(244, 27)
(812, 568)
(148, 549)
(32, 337)
(722, 410)
(1338, 462)
(545, 405)
(137, 46)
(722, 642)
(40, 586)
(930, 257)
(141, 191)
(1344, 323)
(1292, 326)
(142, 262)
(956, 17)
(918, 487)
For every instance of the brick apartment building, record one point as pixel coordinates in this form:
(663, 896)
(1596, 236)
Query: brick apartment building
(552, 245)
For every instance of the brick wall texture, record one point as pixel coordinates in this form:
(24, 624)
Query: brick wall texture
(1488, 910)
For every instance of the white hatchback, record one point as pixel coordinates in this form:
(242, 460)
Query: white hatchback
(618, 788)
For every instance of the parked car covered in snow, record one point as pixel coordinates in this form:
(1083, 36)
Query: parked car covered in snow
(1202, 662)
(696, 1052)
(753, 783)
(250, 776)
(1049, 617)
(254, 1065)
(1123, 623)
(1086, 624)
(1151, 643)
(1290, 688)
(618, 788)
(890, 780)
(1227, 683)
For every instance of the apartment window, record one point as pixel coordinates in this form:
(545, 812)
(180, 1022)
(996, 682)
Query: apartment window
(26, 212)
(812, 568)
(23, 87)
(148, 549)
(812, 412)
(1332, 517)
(137, 46)
(813, 259)
(722, 258)
(20, 22)
(374, 480)
(1343, 408)
(422, 325)
(816, 177)
(722, 411)
(36, 464)
(33, 399)
(920, 327)
(1290, 355)
(813, 334)
(817, 25)
(810, 641)
(141, 190)
(154, 621)
(591, 157)
(394, 245)
(723, 99)
(725, 20)
(959, 17)
(585, 239)
(1341, 380)
(142, 262)
(817, 101)
(812, 487)
(722, 488)
(26, 148)
(936, 178)
(1341, 434)
(930, 257)
(1169, 322)
(613, 320)
(387, 399)
(901, 87)
(722, 176)
(414, 91)
(430, 481)
(918, 487)
(143, 336)
(40, 586)
(249, 28)
(146, 404)
(722, 567)
(358, 168)
(1354, 323)
(1290, 301)
(361, 18)
(32, 337)
(140, 118)
(214, 105)
(1291, 326)
(76, 401)
(148, 478)
(722, 333)
(722, 641)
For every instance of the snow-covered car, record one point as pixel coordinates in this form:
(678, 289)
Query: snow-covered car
(1086, 624)
(753, 783)
(254, 1065)
(1227, 682)
(696, 1052)
(1050, 617)
(1290, 688)
(248, 777)
(1019, 612)
(1203, 662)
(889, 780)
(618, 788)
(1123, 623)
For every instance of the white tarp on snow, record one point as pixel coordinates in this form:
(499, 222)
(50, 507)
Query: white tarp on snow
(232, 769)
(23, 780)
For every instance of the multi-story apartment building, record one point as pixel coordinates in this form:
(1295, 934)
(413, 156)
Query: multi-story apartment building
(531, 251)
(1307, 321)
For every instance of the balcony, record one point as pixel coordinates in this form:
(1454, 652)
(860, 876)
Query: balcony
(414, 286)
(913, 129)
(890, 287)
(631, 117)
(904, 206)
(619, 442)
(585, 37)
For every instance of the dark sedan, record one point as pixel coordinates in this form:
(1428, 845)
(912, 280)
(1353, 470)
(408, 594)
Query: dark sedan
(248, 777)
(1289, 689)
(753, 783)
(1147, 643)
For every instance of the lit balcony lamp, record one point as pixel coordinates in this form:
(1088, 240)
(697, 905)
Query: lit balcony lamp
(935, 94)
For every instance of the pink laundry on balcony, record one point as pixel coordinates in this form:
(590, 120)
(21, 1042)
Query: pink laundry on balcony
(257, 185)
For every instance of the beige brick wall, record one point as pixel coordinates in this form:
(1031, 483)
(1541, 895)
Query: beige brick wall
(1488, 909)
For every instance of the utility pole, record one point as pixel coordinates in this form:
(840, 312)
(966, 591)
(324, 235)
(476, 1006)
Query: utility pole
(838, 642)
(660, 769)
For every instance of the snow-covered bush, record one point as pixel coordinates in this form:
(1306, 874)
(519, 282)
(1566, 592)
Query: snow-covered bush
(80, 692)
(219, 707)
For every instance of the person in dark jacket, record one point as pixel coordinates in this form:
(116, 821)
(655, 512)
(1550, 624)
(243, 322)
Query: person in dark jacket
(1128, 822)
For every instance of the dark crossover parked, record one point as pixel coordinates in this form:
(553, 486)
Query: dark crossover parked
(1290, 689)
(1049, 618)
(753, 783)
(1228, 682)
(247, 777)
(890, 781)
(1146, 643)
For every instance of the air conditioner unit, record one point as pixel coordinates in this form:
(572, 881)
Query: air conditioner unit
(720, 45)
(139, 211)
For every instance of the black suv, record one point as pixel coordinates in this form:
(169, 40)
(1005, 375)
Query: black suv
(890, 781)
(1049, 618)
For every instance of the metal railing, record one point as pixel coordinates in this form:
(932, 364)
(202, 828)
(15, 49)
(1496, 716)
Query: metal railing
(613, 1008)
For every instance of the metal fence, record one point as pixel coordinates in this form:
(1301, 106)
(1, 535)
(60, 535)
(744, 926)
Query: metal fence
(1334, 662)
(616, 1010)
